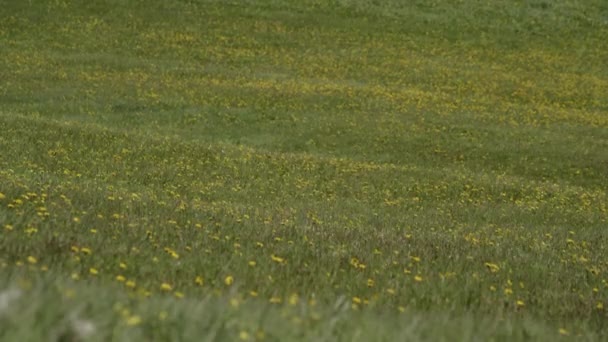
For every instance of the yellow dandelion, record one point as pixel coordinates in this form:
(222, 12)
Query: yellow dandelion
(122, 265)
(520, 303)
(93, 271)
(418, 278)
(199, 281)
(252, 263)
(401, 309)
(31, 260)
(600, 306)
(133, 320)
(120, 278)
(508, 291)
(563, 332)
(229, 280)
(357, 300)
(370, 282)
(275, 300)
(178, 294)
(244, 336)
(2, 196)
(85, 250)
(130, 284)
(277, 259)
(166, 287)
(492, 267)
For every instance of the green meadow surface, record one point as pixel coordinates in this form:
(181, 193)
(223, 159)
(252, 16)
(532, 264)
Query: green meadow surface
(340, 170)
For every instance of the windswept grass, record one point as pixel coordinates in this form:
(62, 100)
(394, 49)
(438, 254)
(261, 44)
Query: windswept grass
(310, 170)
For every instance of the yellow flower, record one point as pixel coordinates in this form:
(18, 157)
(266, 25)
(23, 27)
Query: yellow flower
(275, 300)
(178, 294)
(2, 196)
(130, 284)
(199, 281)
(133, 320)
(120, 278)
(563, 331)
(166, 287)
(243, 335)
(520, 303)
(277, 259)
(252, 263)
(356, 300)
(85, 250)
(229, 280)
(418, 278)
(31, 260)
(600, 306)
(492, 267)
(370, 282)
(93, 271)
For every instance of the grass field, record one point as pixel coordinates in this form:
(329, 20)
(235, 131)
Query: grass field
(317, 170)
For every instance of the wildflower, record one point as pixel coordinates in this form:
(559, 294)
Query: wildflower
(600, 306)
(130, 284)
(166, 287)
(520, 303)
(508, 291)
(85, 250)
(229, 280)
(492, 267)
(252, 263)
(122, 265)
(120, 278)
(2, 196)
(133, 320)
(277, 259)
(93, 271)
(357, 300)
(418, 278)
(199, 281)
(563, 332)
(31, 260)
(275, 300)
(243, 335)
(370, 282)
(178, 294)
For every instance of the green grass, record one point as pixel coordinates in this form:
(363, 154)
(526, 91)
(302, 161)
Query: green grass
(303, 170)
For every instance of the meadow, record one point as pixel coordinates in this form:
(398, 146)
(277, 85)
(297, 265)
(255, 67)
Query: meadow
(319, 170)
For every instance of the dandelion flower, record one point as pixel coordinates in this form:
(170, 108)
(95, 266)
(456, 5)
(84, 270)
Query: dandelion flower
(166, 287)
(133, 320)
(229, 280)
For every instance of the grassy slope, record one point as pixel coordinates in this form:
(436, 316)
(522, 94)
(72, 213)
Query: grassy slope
(384, 154)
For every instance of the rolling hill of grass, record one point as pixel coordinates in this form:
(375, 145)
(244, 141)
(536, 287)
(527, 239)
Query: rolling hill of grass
(303, 170)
